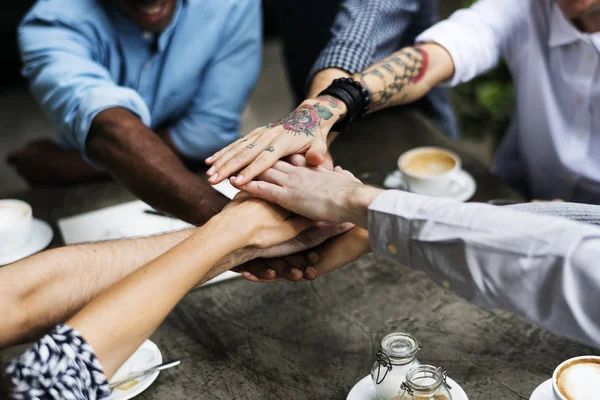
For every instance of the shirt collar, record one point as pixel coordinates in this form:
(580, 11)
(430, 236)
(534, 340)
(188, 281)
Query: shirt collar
(562, 31)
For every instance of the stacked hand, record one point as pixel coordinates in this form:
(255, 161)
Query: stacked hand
(319, 194)
(304, 131)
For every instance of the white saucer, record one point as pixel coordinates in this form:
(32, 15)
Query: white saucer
(463, 178)
(543, 392)
(146, 356)
(364, 390)
(41, 236)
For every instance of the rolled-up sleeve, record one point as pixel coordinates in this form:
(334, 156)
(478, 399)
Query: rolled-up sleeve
(360, 29)
(478, 36)
(213, 120)
(66, 81)
(541, 268)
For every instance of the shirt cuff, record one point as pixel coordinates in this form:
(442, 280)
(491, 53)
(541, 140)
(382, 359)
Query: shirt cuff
(349, 56)
(446, 34)
(97, 100)
(389, 233)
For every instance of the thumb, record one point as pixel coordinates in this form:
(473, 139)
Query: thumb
(315, 156)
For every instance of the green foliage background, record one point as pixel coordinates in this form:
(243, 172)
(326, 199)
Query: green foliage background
(485, 105)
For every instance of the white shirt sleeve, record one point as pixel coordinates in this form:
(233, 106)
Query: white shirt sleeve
(545, 269)
(478, 36)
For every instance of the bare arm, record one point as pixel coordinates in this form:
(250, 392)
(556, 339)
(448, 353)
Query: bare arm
(406, 75)
(145, 165)
(43, 290)
(147, 295)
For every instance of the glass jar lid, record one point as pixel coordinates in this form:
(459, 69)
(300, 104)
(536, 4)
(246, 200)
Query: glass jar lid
(400, 345)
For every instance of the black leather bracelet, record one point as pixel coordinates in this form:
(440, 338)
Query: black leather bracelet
(355, 97)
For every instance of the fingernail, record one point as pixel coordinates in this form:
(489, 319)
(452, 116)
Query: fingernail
(209, 159)
(313, 258)
(246, 274)
(214, 177)
(296, 271)
(239, 179)
(211, 170)
(311, 270)
(271, 271)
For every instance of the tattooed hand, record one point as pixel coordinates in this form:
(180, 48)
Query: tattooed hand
(304, 131)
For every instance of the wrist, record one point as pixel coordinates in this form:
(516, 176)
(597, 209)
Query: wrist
(335, 106)
(226, 224)
(357, 202)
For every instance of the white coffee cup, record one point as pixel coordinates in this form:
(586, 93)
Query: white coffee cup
(431, 171)
(16, 218)
(579, 372)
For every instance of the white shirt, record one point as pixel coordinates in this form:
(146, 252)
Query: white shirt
(553, 145)
(546, 269)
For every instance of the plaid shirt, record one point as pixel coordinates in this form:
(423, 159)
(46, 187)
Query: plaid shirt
(366, 31)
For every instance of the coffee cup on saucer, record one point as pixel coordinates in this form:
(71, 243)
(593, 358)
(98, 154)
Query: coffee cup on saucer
(577, 379)
(16, 219)
(431, 171)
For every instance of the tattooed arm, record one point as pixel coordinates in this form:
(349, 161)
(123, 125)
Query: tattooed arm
(405, 76)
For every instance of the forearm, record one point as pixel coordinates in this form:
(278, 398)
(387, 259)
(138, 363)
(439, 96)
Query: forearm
(46, 289)
(159, 286)
(145, 165)
(406, 75)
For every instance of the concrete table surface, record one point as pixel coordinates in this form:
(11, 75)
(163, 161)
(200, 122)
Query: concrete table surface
(315, 340)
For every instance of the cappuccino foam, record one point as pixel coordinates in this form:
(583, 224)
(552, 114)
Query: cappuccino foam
(580, 380)
(434, 163)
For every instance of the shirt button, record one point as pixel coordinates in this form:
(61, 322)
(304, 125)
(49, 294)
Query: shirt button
(581, 135)
(147, 35)
(446, 284)
(147, 65)
(392, 249)
(580, 100)
(591, 58)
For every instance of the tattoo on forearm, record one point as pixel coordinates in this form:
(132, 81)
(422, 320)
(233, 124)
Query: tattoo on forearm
(270, 149)
(395, 73)
(305, 119)
(250, 146)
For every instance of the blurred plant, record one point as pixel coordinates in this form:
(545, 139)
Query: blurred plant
(484, 106)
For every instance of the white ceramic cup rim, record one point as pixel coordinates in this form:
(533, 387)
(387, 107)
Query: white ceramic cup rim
(421, 150)
(557, 392)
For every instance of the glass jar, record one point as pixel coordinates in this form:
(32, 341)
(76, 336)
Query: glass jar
(425, 382)
(395, 358)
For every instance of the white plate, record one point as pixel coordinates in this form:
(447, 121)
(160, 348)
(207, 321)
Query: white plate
(463, 178)
(146, 356)
(41, 236)
(364, 390)
(543, 392)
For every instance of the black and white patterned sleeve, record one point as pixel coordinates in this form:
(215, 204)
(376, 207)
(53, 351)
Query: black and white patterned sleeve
(60, 366)
(365, 31)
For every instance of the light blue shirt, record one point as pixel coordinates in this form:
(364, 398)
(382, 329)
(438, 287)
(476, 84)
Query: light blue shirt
(84, 56)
